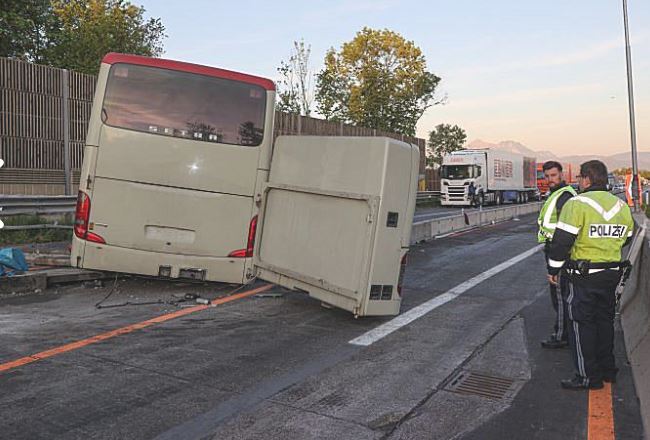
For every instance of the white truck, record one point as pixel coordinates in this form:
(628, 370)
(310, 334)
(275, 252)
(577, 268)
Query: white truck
(496, 177)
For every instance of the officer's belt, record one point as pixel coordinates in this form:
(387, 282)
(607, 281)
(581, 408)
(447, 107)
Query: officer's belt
(585, 267)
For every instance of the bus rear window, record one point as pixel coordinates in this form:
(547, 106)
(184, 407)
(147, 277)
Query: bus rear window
(185, 105)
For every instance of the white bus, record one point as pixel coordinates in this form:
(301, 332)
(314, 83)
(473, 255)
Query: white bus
(176, 155)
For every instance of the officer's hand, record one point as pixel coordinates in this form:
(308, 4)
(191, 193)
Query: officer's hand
(552, 279)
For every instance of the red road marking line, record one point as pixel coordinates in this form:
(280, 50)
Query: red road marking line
(124, 330)
(600, 422)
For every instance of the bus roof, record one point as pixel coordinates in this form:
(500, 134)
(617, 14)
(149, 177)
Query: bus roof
(114, 58)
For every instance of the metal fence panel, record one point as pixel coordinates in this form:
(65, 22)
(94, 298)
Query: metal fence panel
(32, 129)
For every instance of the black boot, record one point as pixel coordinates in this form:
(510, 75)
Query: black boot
(581, 383)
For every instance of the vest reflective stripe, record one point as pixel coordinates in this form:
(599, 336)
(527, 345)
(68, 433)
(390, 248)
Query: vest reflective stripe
(547, 220)
(607, 215)
(569, 228)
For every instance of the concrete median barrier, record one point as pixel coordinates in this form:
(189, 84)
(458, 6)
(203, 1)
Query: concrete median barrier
(428, 229)
(635, 320)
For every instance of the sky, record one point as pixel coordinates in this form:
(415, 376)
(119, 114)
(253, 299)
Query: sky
(549, 74)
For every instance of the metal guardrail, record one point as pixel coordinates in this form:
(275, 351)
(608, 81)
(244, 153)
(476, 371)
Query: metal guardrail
(427, 195)
(30, 205)
(32, 227)
(466, 219)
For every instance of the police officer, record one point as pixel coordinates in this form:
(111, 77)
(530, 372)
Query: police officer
(560, 193)
(592, 229)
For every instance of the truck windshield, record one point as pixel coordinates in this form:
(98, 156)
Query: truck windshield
(187, 105)
(460, 171)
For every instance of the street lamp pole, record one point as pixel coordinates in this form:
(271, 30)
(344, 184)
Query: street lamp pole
(630, 98)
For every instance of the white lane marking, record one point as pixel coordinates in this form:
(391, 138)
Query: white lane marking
(374, 335)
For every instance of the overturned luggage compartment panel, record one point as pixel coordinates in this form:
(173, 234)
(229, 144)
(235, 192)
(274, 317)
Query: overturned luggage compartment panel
(336, 218)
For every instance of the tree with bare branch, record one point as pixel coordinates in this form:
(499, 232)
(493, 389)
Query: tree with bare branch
(295, 93)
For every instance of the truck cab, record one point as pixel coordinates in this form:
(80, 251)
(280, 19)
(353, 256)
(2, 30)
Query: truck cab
(458, 172)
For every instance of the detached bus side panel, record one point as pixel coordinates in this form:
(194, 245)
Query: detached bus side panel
(336, 219)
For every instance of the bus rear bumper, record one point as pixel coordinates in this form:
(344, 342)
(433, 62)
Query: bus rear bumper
(87, 255)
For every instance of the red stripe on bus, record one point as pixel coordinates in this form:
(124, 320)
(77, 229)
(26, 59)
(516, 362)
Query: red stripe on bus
(114, 58)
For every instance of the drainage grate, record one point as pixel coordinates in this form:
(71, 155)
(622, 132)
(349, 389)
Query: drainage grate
(468, 382)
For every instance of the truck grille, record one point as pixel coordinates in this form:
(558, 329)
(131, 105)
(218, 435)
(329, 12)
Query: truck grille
(456, 192)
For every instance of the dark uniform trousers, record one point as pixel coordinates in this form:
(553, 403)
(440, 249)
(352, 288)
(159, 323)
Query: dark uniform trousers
(559, 296)
(591, 307)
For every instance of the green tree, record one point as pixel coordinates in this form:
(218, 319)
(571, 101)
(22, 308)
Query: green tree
(25, 26)
(287, 97)
(294, 87)
(444, 139)
(377, 80)
(89, 29)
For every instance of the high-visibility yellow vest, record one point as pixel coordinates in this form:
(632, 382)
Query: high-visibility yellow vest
(601, 223)
(547, 219)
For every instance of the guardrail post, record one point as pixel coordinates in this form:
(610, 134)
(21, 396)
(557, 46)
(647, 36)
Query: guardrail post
(65, 77)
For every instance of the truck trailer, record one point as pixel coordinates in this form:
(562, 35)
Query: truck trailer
(497, 177)
(568, 172)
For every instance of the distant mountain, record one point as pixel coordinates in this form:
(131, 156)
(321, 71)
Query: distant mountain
(614, 161)
(620, 160)
(513, 147)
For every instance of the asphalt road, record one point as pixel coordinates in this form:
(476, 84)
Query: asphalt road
(283, 367)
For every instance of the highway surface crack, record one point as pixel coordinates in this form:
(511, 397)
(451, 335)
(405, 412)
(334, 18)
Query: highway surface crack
(311, 411)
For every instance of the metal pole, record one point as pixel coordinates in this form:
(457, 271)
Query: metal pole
(66, 132)
(630, 94)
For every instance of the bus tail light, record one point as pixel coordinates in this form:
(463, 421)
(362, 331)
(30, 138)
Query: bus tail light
(81, 217)
(248, 252)
(402, 269)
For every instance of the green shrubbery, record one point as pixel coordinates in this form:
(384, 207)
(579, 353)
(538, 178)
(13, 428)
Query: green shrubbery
(32, 235)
